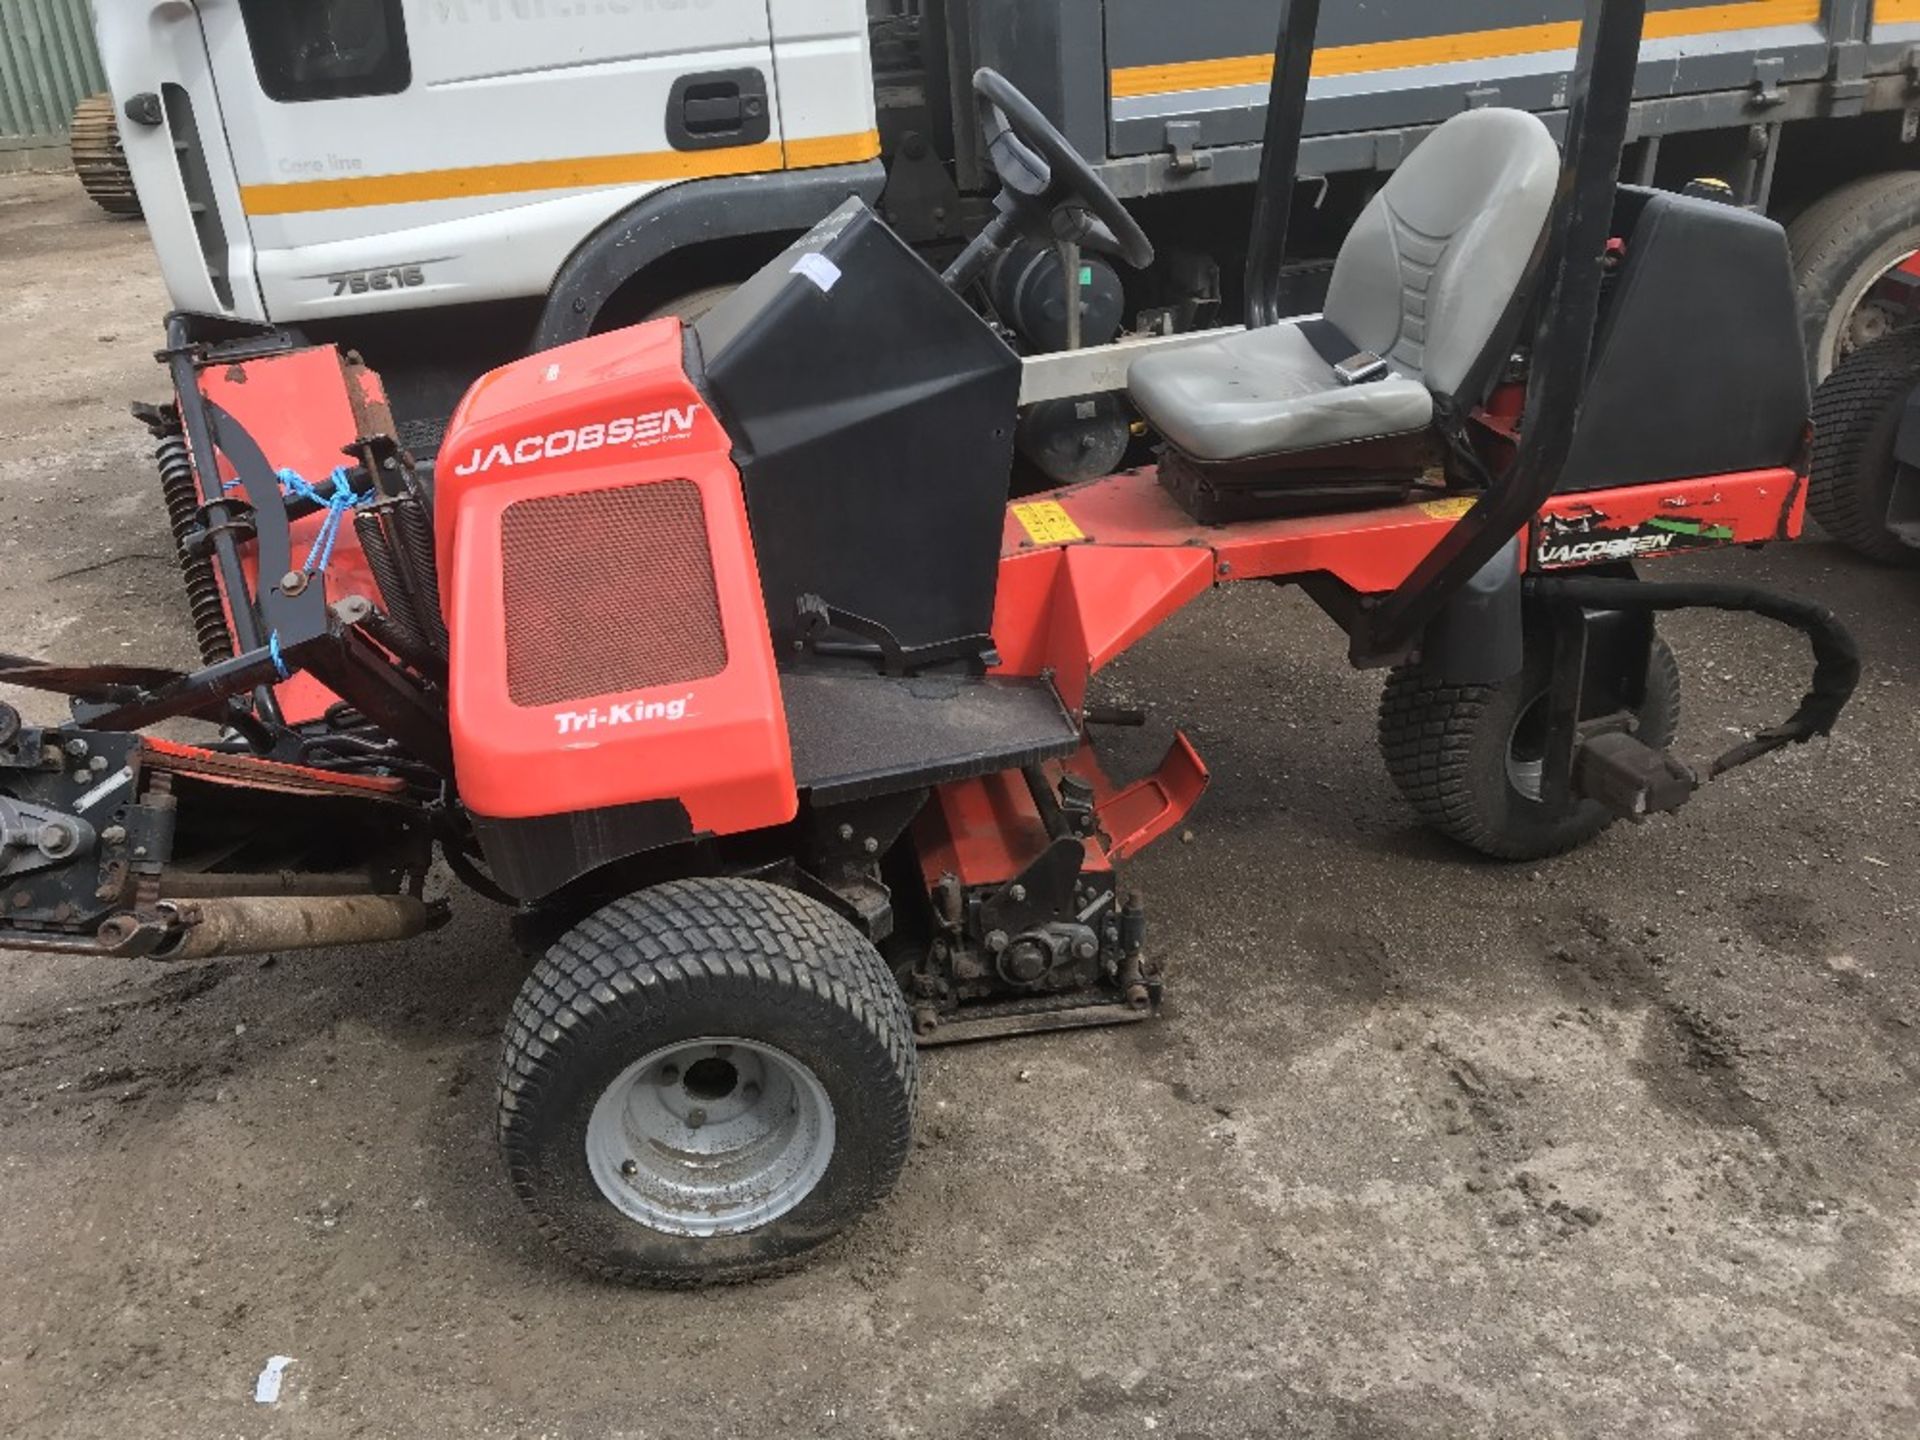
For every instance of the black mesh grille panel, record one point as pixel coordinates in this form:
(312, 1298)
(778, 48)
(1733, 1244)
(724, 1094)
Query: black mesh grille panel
(607, 592)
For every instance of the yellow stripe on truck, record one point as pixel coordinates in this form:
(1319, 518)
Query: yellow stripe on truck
(832, 150)
(411, 187)
(1461, 45)
(1895, 12)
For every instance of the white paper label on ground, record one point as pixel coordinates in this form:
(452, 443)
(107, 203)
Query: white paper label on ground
(266, 1390)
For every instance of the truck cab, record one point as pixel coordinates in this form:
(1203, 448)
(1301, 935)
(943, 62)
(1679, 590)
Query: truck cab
(301, 163)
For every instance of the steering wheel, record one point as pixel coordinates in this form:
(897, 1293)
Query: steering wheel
(1041, 172)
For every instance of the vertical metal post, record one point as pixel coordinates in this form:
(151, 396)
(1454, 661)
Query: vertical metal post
(1649, 161)
(1600, 100)
(1761, 193)
(1070, 275)
(1279, 158)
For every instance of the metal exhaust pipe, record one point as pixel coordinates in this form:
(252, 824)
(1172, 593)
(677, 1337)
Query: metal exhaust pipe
(255, 925)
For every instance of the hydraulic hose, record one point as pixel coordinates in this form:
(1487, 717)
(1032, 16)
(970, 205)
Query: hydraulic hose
(1836, 658)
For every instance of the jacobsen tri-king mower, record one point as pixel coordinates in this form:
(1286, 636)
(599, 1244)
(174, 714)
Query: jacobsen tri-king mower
(720, 652)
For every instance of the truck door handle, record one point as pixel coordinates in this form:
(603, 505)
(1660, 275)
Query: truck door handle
(716, 108)
(713, 109)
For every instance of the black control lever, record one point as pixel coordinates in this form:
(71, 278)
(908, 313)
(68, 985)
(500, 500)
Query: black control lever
(817, 617)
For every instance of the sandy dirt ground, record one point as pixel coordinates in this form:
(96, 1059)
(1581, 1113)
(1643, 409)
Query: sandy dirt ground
(1619, 1145)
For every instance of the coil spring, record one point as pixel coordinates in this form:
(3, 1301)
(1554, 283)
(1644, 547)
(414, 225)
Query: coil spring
(386, 575)
(413, 532)
(182, 495)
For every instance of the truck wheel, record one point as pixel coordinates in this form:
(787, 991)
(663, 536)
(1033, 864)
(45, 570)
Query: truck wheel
(703, 1082)
(1843, 245)
(1469, 757)
(98, 161)
(1856, 419)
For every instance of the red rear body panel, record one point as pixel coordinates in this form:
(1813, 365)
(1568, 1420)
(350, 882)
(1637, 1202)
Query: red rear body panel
(609, 642)
(1088, 570)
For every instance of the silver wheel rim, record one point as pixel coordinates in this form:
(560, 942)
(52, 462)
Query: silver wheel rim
(714, 1136)
(1858, 319)
(1526, 756)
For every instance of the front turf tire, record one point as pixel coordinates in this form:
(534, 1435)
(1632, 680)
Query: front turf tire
(1451, 749)
(801, 1005)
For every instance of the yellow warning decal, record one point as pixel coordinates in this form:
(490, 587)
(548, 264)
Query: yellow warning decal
(1451, 508)
(1047, 522)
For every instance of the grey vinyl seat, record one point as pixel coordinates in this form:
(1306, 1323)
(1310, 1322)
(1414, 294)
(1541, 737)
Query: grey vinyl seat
(1427, 279)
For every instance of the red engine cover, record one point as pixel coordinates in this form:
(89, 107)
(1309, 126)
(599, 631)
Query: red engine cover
(609, 642)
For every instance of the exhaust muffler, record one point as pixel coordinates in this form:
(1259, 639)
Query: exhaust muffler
(255, 925)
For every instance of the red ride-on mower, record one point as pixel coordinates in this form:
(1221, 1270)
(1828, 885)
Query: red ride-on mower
(718, 651)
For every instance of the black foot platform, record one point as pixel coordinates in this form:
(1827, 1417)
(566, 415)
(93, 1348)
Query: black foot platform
(857, 734)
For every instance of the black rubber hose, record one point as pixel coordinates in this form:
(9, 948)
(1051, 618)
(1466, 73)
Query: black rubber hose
(1046, 801)
(406, 645)
(1836, 657)
(454, 849)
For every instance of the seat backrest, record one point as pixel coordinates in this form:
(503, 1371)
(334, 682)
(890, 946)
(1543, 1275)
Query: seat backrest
(1432, 267)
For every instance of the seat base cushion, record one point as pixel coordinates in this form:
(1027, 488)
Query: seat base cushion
(1360, 476)
(1267, 392)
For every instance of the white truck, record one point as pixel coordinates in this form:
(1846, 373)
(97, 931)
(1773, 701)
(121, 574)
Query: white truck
(446, 183)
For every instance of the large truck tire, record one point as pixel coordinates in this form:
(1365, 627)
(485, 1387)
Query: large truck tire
(1843, 245)
(98, 160)
(1468, 758)
(704, 1081)
(1856, 418)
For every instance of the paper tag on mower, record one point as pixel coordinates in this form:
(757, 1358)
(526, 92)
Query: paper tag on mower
(817, 268)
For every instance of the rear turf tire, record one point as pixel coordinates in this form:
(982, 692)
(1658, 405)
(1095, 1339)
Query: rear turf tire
(1457, 753)
(777, 982)
(1856, 419)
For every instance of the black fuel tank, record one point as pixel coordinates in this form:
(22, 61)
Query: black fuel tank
(872, 417)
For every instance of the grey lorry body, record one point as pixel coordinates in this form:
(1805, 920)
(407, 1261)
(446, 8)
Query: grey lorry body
(1704, 68)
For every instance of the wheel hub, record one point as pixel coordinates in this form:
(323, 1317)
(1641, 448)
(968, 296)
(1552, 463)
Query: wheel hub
(1527, 750)
(714, 1136)
(1872, 321)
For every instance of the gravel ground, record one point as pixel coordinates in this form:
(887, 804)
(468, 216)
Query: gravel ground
(1618, 1145)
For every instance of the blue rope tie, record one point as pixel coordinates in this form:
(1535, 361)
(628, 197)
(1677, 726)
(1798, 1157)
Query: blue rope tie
(320, 552)
(335, 505)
